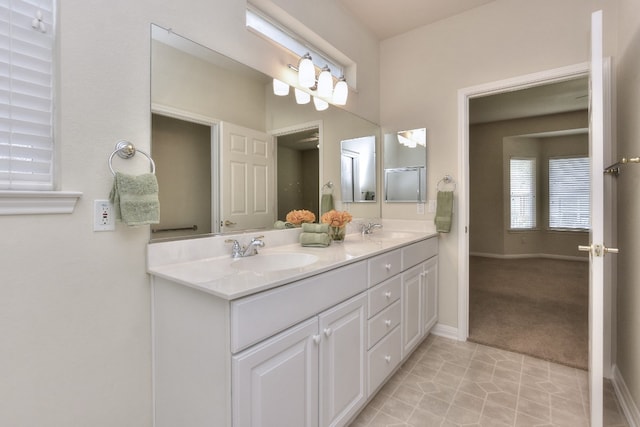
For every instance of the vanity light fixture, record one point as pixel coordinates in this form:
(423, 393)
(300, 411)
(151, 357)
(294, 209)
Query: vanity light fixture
(341, 92)
(280, 88)
(306, 71)
(325, 83)
(302, 97)
(320, 103)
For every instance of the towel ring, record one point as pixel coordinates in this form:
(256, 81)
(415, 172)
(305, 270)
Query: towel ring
(447, 179)
(328, 186)
(126, 150)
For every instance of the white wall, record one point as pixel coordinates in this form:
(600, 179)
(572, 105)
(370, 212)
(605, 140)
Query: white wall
(422, 71)
(75, 321)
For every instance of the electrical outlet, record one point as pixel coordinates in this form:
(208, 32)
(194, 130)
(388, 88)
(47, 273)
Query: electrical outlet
(103, 216)
(420, 209)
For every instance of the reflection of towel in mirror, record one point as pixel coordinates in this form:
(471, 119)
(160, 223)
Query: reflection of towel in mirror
(315, 228)
(135, 199)
(444, 211)
(281, 225)
(319, 240)
(326, 203)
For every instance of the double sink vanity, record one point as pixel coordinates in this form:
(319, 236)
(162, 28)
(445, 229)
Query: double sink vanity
(292, 336)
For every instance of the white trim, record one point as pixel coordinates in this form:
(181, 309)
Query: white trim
(38, 202)
(445, 331)
(629, 408)
(516, 83)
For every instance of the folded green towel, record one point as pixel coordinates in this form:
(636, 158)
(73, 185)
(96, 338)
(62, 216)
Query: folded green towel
(315, 228)
(319, 240)
(444, 211)
(281, 225)
(326, 203)
(135, 199)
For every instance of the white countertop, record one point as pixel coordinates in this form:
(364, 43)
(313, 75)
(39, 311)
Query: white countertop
(205, 264)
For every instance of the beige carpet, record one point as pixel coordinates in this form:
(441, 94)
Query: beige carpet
(535, 306)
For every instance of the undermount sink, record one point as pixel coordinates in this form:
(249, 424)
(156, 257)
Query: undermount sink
(274, 262)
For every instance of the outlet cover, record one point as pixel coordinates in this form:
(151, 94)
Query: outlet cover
(103, 216)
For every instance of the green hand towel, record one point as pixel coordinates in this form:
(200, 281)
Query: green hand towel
(318, 240)
(444, 211)
(315, 228)
(135, 199)
(326, 203)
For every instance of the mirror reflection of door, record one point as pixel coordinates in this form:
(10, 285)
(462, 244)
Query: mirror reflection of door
(349, 175)
(182, 153)
(298, 174)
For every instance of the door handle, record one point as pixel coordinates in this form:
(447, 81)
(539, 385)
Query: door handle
(228, 223)
(597, 250)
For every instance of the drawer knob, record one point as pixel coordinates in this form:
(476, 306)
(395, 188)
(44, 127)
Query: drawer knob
(387, 294)
(387, 359)
(316, 339)
(387, 266)
(387, 322)
(328, 332)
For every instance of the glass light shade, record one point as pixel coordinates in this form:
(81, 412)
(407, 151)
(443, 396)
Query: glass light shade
(306, 72)
(325, 83)
(280, 88)
(320, 104)
(341, 92)
(302, 97)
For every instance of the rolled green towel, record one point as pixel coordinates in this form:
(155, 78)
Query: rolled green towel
(319, 240)
(444, 211)
(315, 228)
(279, 225)
(135, 198)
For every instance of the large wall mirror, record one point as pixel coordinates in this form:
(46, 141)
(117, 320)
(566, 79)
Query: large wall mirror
(405, 166)
(230, 155)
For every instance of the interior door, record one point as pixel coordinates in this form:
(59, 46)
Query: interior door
(596, 248)
(247, 179)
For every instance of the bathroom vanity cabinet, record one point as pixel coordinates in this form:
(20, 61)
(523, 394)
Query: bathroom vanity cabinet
(310, 352)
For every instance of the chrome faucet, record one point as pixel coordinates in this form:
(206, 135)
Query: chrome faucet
(369, 227)
(251, 249)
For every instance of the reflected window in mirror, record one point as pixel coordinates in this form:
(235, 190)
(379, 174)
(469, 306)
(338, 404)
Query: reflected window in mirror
(405, 166)
(358, 169)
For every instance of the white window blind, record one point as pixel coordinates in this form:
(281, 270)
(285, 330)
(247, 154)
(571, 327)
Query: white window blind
(569, 199)
(26, 94)
(523, 193)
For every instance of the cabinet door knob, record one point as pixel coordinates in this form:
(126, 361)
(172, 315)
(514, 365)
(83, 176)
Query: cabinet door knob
(387, 359)
(387, 322)
(387, 266)
(387, 294)
(316, 339)
(328, 332)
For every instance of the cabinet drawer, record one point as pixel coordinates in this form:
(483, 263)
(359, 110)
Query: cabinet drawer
(262, 315)
(380, 325)
(419, 252)
(383, 295)
(384, 266)
(383, 359)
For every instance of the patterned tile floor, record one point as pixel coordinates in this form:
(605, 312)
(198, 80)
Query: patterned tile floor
(448, 383)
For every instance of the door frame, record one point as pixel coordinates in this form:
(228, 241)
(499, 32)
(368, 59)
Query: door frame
(507, 85)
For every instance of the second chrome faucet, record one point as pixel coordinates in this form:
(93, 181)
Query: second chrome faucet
(251, 249)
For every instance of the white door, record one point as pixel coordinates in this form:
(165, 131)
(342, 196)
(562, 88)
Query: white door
(247, 179)
(276, 383)
(596, 249)
(342, 361)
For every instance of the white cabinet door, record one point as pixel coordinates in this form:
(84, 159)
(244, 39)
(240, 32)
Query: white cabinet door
(343, 361)
(275, 383)
(411, 308)
(430, 294)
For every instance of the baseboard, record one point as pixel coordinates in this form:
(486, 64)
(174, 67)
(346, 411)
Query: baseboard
(445, 331)
(625, 399)
(522, 256)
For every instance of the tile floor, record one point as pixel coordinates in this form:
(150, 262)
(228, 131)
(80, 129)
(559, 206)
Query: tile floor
(448, 383)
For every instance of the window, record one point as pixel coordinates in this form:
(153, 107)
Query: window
(269, 28)
(523, 193)
(26, 94)
(569, 199)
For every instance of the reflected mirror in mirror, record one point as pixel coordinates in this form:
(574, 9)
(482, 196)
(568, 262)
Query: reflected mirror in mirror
(217, 187)
(358, 169)
(405, 166)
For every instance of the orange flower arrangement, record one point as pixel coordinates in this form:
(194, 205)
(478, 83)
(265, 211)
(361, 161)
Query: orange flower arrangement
(297, 217)
(336, 218)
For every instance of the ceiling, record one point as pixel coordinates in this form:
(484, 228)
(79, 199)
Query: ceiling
(388, 18)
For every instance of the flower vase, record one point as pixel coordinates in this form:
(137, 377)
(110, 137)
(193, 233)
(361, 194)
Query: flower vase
(337, 233)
